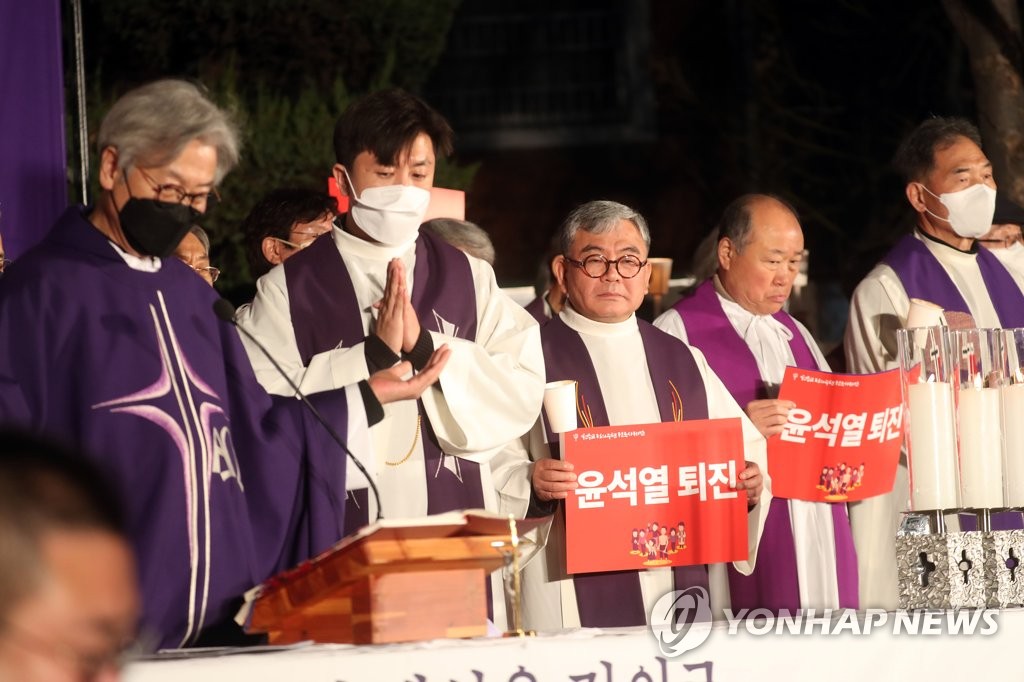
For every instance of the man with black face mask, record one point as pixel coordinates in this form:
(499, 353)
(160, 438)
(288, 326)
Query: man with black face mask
(949, 185)
(106, 343)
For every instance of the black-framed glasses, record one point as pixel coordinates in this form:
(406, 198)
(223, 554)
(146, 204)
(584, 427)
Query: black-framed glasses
(595, 266)
(176, 194)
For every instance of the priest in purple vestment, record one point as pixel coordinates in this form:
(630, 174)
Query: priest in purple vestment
(949, 185)
(109, 343)
(624, 368)
(806, 558)
(378, 289)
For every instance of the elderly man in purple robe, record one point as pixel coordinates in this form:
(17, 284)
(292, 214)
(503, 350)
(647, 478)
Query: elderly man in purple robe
(949, 185)
(380, 289)
(806, 558)
(107, 342)
(624, 368)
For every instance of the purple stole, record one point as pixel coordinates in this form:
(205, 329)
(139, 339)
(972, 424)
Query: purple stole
(774, 584)
(326, 315)
(922, 276)
(614, 599)
(536, 309)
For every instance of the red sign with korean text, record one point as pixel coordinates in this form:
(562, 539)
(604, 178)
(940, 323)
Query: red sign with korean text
(842, 441)
(655, 495)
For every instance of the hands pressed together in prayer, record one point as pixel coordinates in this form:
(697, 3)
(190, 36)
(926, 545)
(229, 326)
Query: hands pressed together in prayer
(769, 416)
(554, 479)
(397, 323)
(399, 328)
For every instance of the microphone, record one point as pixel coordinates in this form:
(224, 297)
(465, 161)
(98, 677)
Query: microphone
(225, 311)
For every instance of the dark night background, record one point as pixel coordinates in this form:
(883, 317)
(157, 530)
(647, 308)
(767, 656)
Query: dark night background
(672, 107)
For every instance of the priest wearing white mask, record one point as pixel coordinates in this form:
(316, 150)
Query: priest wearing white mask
(949, 185)
(806, 558)
(625, 370)
(377, 291)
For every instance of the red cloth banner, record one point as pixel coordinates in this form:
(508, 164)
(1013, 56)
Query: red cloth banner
(655, 495)
(842, 441)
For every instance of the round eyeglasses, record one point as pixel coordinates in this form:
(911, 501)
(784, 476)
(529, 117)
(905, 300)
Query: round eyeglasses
(596, 266)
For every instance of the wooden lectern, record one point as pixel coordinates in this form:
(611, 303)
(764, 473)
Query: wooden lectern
(393, 581)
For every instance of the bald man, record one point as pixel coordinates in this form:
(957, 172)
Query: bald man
(806, 557)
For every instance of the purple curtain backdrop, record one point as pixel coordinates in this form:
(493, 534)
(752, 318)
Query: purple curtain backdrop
(33, 176)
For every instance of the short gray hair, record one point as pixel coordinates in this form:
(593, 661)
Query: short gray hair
(153, 123)
(463, 235)
(736, 221)
(599, 217)
(203, 238)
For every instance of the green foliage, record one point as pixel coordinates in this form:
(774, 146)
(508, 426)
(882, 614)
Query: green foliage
(287, 69)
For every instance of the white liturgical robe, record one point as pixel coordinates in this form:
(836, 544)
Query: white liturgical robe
(620, 364)
(489, 392)
(813, 534)
(1013, 258)
(878, 309)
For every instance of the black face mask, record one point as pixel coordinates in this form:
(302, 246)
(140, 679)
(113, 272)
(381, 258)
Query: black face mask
(155, 228)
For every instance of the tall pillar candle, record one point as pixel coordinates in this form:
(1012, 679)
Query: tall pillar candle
(1013, 435)
(981, 448)
(932, 449)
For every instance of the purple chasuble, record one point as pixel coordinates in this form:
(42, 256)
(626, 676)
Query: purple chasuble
(325, 315)
(923, 276)
(221, 485)
(614, 599)
(774, 584)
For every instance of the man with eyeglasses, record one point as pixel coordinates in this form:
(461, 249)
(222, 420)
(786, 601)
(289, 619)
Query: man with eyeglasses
(194, 251)
(284, 222)
(625, 369)
(736, 318)
(106, 343)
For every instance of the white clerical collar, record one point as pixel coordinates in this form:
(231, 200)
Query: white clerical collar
(140, 263)
(360, 248)
(744, 321)
(950, 255)
(584, 325)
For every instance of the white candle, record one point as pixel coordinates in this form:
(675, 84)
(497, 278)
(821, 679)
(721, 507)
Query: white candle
(1013, 434)
(981, 448)
(932, 448)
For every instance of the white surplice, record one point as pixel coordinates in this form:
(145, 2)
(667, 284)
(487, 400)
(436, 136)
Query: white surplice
(620, 363)
(811, 522)
(878, 309)
(489, 392)
(1013, 258)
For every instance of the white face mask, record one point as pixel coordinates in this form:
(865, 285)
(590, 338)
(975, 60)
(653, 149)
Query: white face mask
(391, 214)
(970, 210)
